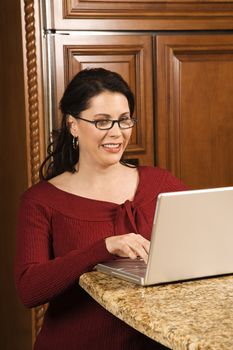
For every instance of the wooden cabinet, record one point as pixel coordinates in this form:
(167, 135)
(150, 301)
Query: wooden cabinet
(195, 107)
(130, 56)
(140, 14)
(181, 76)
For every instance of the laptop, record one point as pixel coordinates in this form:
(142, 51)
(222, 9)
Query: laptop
(192, 237)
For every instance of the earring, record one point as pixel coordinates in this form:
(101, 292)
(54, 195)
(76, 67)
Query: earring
(75, 142)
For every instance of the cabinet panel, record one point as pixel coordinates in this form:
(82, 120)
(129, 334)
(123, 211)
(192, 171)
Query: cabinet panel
(141, 15)
(129, 55)
(195, 108)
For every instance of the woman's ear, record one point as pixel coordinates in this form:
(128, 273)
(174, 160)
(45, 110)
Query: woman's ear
(72, 125)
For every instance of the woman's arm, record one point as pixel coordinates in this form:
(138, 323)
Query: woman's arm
(39, 277)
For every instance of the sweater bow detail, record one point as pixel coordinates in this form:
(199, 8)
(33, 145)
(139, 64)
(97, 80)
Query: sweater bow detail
(126, 216)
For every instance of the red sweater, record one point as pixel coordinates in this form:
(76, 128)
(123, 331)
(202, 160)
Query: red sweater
(59, 237)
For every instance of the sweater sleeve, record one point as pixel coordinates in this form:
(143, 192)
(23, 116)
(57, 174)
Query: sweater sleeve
(38, 276)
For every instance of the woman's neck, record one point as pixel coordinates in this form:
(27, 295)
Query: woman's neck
(95, 174)
(116, 183)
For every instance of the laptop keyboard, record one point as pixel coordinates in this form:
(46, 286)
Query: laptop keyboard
(136, 267)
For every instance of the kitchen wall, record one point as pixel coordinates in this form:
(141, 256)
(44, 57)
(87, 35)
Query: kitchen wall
(15, 322)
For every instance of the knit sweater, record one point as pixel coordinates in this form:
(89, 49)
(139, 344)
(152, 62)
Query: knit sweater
(59, 237)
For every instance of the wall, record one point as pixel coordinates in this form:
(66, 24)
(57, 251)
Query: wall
(15, 327)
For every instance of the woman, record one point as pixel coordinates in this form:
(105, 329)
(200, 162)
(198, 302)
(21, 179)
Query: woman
(89, 207)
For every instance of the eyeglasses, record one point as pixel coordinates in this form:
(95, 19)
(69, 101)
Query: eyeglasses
(106, 124)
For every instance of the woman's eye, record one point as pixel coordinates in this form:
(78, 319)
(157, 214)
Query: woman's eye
(103, 122)
(125, 120)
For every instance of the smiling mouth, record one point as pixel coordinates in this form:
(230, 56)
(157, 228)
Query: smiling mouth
(112, 145)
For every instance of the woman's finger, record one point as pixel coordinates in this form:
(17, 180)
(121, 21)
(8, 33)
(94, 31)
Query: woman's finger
(129, 245)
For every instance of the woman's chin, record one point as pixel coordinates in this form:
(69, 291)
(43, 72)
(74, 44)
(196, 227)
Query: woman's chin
(112, 160)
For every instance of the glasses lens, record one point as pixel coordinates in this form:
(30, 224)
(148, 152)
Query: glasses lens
(103, 124)
(126, 123)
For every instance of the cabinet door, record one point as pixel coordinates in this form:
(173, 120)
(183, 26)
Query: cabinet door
(195, 108)
(139, 14)
(128, 55)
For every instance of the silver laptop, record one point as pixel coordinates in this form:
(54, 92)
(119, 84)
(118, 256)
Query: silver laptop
(192, 237)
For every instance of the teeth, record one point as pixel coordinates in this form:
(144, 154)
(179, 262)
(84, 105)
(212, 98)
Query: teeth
(111, 145)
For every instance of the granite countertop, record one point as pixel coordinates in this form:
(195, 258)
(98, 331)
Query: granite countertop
(193, 315)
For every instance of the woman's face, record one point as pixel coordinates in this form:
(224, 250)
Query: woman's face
(102, 147)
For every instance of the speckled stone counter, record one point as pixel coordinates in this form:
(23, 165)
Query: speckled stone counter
(193, 315)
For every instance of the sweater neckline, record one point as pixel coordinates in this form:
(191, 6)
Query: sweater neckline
(73, 196)
(151, 181)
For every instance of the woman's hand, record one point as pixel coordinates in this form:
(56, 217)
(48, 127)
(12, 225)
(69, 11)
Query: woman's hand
(129, 245)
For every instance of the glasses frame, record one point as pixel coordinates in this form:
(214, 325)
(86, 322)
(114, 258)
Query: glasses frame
(95, 122)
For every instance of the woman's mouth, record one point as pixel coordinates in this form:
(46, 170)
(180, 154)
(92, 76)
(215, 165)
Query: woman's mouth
(112, 147)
